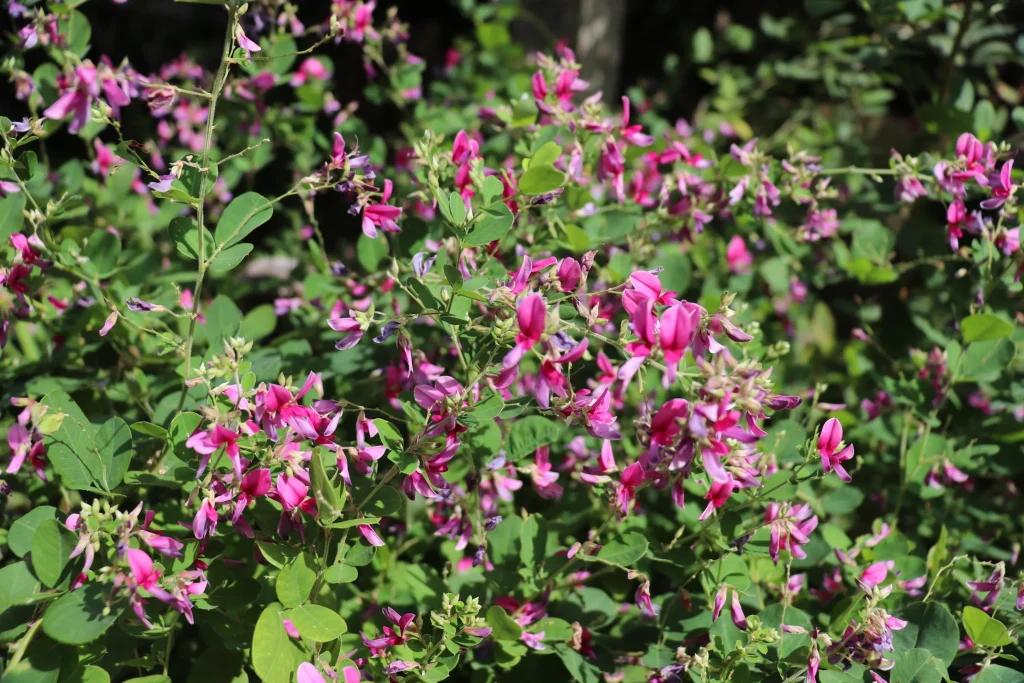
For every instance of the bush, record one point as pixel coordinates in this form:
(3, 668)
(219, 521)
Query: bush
(566, 380)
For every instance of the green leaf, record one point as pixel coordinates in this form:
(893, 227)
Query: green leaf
(505, 627)
(993, 673)
(489, 408)
(149, 429)
(625, 552)
(529, 434)
(317, 623)
(275, 656)
(185, 235)
(244, 214)
(72, 448)
(492, 224)
(356, 521)
(703, 46)
(385, 502)
(370, 252)
(296, 580)
(51, 546)
(277, 555)
(547, 155)
(984, 327)
(493, 188)
(41, 664)
(259, 323)
(223, 318)
(23, 530)
(541, 178)
(217, 665)
(103, 251)
(390, 436)
(12, 216)
(328, 501)
(454, 276)
(92, 674)
(983, 629)
(917, 666)
(929, 626)
(457, 207)
(114, 441)
(228, 258)
(533, 541)
(81, 616)
(341, 573)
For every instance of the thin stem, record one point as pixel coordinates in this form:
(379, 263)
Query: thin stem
(218, 86)
(947, 71)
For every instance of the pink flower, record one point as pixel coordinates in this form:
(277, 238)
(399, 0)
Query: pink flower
(719, 602)
(307, 673)
(361, 22)
(738, 256)
(875, 574)
(531, 314)
(832, 450)
(245, 42)
(370, 535)
(956, 218)
(678, 325)
(736, 610)
(381, 215)
(108, 324)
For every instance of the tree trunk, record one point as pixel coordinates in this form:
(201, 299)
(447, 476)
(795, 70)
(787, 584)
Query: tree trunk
(594, 29)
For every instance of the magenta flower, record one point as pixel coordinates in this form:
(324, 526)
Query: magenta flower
(531, 314)
(632, 134)
(464, 149)
(832, 450)
(569, 274)
(678, 325)
(1002, 187)
(205, 522)
(717, 496)
(381, 215)
(206, 443)
(84, 90)
(790, 528)
(666, 425)
(353, 328)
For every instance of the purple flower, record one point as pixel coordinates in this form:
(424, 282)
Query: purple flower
(140, 306)
(162, 185)
(534, 640)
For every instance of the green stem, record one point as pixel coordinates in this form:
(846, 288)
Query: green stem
(218, 86)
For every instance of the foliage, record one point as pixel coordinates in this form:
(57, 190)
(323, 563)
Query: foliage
(567, 383)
